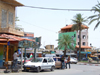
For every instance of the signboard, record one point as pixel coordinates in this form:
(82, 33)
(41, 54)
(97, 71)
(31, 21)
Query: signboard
(27, 44)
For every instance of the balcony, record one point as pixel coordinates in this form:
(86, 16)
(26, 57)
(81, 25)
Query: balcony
(18, 32)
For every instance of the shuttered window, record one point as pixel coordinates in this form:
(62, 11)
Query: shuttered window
(10, 18)
(4, 19)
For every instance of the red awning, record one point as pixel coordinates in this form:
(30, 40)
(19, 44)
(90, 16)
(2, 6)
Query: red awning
(13, 38)
(83, 46)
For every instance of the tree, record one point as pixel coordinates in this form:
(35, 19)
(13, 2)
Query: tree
(96, 17)
(65, 42)
(78, 21)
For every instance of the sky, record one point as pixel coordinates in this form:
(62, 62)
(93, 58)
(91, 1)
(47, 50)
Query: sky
(47, 23)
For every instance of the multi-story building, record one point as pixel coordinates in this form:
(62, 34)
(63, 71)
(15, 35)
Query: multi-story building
(7, 18)
(75, 36)
(7, 26)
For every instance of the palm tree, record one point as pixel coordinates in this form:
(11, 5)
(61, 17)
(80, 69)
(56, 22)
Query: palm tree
(78, 21)
(93, 18)
(65, 42)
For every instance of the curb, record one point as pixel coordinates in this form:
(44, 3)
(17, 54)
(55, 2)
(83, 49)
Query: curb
(91, 64)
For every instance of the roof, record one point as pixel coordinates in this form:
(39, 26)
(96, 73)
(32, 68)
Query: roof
(83, 46)
(70, 26)
(13, 38)
(12, 2)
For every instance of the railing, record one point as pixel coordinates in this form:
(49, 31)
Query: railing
(12, 31)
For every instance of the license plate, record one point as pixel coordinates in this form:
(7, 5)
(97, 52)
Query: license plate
(27, 68)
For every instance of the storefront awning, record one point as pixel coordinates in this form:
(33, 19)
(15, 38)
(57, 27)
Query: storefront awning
(13, 38)
(82, 52)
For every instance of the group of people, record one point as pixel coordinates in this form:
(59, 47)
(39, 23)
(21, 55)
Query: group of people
(64, 62)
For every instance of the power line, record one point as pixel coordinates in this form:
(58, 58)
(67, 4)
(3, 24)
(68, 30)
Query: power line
(49, 8)
(38, 26)
(58, 8)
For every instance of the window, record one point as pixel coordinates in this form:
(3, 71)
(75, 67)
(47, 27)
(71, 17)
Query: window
(84, 37)
(45, 61)
(10, 19)
(4, 19)
(50, 60)
(74, 35)
(78, 36)
(83, 43)
(78, 43)
(50, 46)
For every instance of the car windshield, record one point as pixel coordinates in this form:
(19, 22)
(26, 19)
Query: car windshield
(36, 60)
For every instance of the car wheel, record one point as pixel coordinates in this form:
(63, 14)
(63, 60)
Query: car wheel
(25, 70)
(38, 69)
(75, 62)
(52, 68)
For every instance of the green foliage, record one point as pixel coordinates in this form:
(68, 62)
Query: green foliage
(66, 42)
(96, 17)
(78, 20)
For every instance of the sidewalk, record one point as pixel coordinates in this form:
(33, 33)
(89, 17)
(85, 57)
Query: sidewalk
(3, 69)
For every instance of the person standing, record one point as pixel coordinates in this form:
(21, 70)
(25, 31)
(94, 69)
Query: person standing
(62, 62)
(15, 55)
(68, 62)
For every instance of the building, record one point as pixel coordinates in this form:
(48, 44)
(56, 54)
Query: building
(8, 28)
(49, 47)
(75, 36)
(7, 18)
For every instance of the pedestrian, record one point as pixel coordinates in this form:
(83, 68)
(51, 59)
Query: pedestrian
(62, 62)
(68, 62)
(15, 55)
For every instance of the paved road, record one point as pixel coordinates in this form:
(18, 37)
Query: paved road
(75, 70)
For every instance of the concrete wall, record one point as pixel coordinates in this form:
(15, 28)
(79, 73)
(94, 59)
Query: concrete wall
(50, 47)
(84, 32)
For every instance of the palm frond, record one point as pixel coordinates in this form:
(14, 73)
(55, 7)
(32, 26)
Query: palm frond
(97, 25)
(64, 41)
(92, 16)
(93, 20)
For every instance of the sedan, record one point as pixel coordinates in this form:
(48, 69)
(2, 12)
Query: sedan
(40, 63)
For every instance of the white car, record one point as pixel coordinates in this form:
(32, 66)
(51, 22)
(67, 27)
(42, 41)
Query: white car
(40, 63)
(73, 60)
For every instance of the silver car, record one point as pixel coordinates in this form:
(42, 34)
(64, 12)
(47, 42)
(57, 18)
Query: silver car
(40, 63)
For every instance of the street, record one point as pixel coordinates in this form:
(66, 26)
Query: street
(76, 69)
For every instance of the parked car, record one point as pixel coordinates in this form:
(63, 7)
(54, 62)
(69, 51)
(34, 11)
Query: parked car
(72, 60)
(85, 59)
(95, 59)
(40, 63)
(57, 62)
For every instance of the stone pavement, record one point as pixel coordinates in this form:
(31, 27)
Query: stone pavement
(9, 69)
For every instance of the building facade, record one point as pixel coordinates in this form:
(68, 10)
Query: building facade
(75, 36)
(7, 26)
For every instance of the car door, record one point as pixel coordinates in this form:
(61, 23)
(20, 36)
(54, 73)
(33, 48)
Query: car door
(44, 64)
(50, 62)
